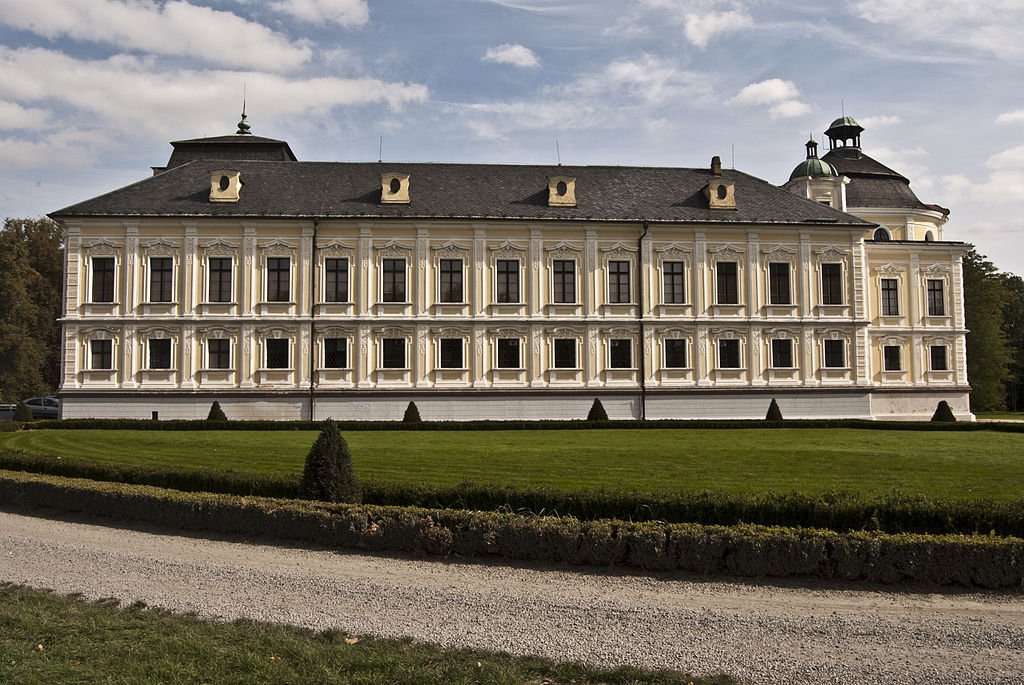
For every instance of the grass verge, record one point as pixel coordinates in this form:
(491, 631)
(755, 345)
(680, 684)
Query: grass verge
(867, 462)
(50, 639)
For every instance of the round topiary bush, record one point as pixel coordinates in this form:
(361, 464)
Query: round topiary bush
(328, 474)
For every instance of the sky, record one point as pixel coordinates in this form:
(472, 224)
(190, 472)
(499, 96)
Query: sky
(92, 91)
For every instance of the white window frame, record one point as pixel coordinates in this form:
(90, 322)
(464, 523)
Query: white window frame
(575, 277)
(206, 354)
(842, 284)
(113, 352)
(630, 268)
(521, 345)
(406, 344)
(792, 353)
(718, 354)
(437, 281)
(494, 280)
(790, 295)
(686, 353)
(576, 342)
(347, 363)
(291, 279)
(348, 279)
(686, 290)
(846, 353)
(437, 352)
(380, 280)
(149, 278)
(899, 295)
(91, 271)
(208, 279)
(172, 352)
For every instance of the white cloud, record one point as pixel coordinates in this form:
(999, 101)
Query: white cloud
(1015, 117)
(991, 27)
(140, 100)
(765, 92)
(70, 148)
(514, 54)
(173, 28)
(780, 95)
(789, 109)
(1011, 160)
(879, 121)
(701, 28)
(650, 79)
(14, 116)
(347, 13)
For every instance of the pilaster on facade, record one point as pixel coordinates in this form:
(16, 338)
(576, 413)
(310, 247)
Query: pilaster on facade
(914, 283)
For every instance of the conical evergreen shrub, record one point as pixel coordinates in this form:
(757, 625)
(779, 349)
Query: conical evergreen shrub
(412, 414)
(22, 412)
(943, 412)
(216, 413)
(328, 474)
(774, 413)
(597, 412)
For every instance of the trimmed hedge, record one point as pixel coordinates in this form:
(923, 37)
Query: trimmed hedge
(614, 424)
(982, 561)
(895, 513)
(8, 425)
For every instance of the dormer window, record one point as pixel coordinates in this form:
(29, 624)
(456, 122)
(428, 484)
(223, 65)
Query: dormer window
(394, 188)
(721, 194)
(225, 186)
(561, 191)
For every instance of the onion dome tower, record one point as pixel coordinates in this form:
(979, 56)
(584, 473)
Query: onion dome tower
(812, 166)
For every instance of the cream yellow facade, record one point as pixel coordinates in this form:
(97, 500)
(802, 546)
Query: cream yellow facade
(501, 318)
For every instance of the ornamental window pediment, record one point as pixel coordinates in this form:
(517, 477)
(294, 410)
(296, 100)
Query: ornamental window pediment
(102, 248)
(277, 248)
(507, 250)
(779, 253)
(726, 253)
(219, 248)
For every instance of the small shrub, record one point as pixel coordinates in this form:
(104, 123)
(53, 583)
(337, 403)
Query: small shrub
(328, 474)
(412, 414)
(22, 412)
(943, 413)
(8, 426)
(216, 413)
(774, 413)
(597, 412)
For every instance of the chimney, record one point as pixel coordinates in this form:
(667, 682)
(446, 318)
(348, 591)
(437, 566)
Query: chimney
(716, 166)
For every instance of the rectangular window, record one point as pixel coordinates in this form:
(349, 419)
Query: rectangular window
(219, 282)
(564, 276)
(620, 353)
(890, 297)
(392, 352)
(618, 282)
(335, 353)
(102, 355)
(778, 283)
(508, 353)
(831, 283)
(450, 287)
(936, 298)
(729, 354)
(279, 279)
(277, 353)
(218, 351)
(728, 283)
(835, 354)
(159, 353)
(782, 354)
(335, 280)
(161, 279)
(938, 358)
(891, 358)
(565, 353)
(449, 353)
(675, 354)
(393, 282)
(673, 283)
(506, 287)
(102, 279)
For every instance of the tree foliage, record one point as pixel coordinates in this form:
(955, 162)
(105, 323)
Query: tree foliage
(1013, 325)
(328, 474)
(31, 277)
(988, 352)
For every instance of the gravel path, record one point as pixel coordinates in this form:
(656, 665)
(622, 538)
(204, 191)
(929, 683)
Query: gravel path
(758, 633)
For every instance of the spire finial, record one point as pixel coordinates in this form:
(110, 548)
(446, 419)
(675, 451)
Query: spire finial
(243, 125)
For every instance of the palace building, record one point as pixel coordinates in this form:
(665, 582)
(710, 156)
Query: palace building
(287, 289)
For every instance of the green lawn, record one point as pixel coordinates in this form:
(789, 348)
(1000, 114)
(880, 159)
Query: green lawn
(871, 462)
(48, 639)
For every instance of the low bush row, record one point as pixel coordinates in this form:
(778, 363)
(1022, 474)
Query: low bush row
(8, 426)
(146, 424)
(894, 513)
(982, 561)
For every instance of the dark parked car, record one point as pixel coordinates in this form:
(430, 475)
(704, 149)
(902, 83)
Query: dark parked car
(43, 407)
